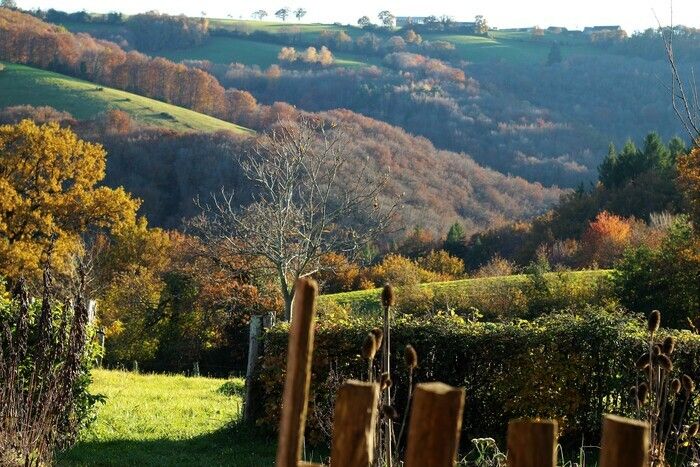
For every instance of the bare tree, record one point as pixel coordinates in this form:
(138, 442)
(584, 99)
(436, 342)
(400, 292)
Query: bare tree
(299, 13)
(686, 103)
(282, 13)
(259, 14)
(304, 204)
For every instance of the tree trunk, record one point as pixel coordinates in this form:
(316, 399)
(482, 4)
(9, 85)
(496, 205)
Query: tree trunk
(287, 295)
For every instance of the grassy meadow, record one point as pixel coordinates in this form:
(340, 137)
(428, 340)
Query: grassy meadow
(367, 301)
(23, 85)
(225, 50)
(168, 420)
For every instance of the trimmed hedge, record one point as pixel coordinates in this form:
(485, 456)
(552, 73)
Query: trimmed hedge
(573, 366)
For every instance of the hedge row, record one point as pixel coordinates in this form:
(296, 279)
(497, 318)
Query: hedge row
(572, 366)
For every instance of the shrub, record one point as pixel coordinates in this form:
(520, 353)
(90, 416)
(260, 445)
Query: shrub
(45, 353)
(665, 277)
(570, 366)
(399, 270)
(440, 262)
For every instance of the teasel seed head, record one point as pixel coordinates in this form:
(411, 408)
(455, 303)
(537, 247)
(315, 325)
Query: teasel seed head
(385, 381)
(654, 321)
(669, 345)
(693, 430)
(688, 384)
(369, 347)
(642, 362)
(664, 362)
(388, 296)
(411, 357)
(676, 385)
(378, 337)
(389, 412)
(642, 393)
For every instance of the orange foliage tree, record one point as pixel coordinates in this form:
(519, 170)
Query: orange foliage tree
(689, 178)
(606, 238)
(49, 197)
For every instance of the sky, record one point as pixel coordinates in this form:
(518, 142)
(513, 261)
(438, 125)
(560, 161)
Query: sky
(632, 15)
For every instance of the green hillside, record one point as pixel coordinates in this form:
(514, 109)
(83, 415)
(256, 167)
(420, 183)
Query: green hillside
(227, 50)
(367, 301)
(514, 46)
(22, 85)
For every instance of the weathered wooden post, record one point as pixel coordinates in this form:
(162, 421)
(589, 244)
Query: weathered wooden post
(532, 443)
(101, 341)
(253, 351)
(298, 377)
(436, 422)
(625, 442)
(354, 422)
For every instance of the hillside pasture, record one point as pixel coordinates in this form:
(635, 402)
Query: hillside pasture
(23, 85)
(497, 298)
(225, 50)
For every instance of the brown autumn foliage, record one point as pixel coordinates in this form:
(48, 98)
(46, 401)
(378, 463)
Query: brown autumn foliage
(689, 178)
(167, 170)
(28, 40)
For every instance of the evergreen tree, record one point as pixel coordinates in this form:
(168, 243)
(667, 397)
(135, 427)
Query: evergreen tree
(554, 54)
(456, 240)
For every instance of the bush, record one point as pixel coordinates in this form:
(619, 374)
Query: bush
(572, 366)
(665, 277)
(45, 354)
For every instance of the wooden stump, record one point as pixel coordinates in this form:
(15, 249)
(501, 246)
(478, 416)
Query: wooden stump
(532, 443)
(354, 422)
(436, 421)
(625, 442)
(298, 377)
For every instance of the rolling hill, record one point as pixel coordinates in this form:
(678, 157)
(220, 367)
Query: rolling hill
(23, 85)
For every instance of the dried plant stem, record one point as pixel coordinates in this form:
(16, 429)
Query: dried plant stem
(408, 405)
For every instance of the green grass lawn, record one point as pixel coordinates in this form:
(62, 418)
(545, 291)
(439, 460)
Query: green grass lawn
(163, 420)
(367, 301)
(23, 85)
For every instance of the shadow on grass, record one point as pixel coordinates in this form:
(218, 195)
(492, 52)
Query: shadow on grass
(236, 445)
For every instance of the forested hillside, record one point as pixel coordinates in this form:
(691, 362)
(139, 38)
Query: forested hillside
(500, 98)
(168, 170)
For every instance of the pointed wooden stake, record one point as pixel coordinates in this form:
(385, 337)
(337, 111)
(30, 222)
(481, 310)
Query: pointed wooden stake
(625, 442)
(532, 443)
(436, 422)
(298, 378)
(354, 422)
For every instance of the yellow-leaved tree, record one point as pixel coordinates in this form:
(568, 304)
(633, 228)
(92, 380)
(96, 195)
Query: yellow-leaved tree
(49, 197)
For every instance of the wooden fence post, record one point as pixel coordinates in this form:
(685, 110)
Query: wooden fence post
(298, 377)
(532, 443)
(253, 351)
(436, 422)
(354, 422)
(625, 442)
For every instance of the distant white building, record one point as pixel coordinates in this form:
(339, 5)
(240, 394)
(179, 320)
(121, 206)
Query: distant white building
(594, 29)
(402, 21)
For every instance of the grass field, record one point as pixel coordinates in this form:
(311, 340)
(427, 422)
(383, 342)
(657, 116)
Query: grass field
(513, 46)
(22, 85)
(227, 50)
(158, 420)
(367, 301)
